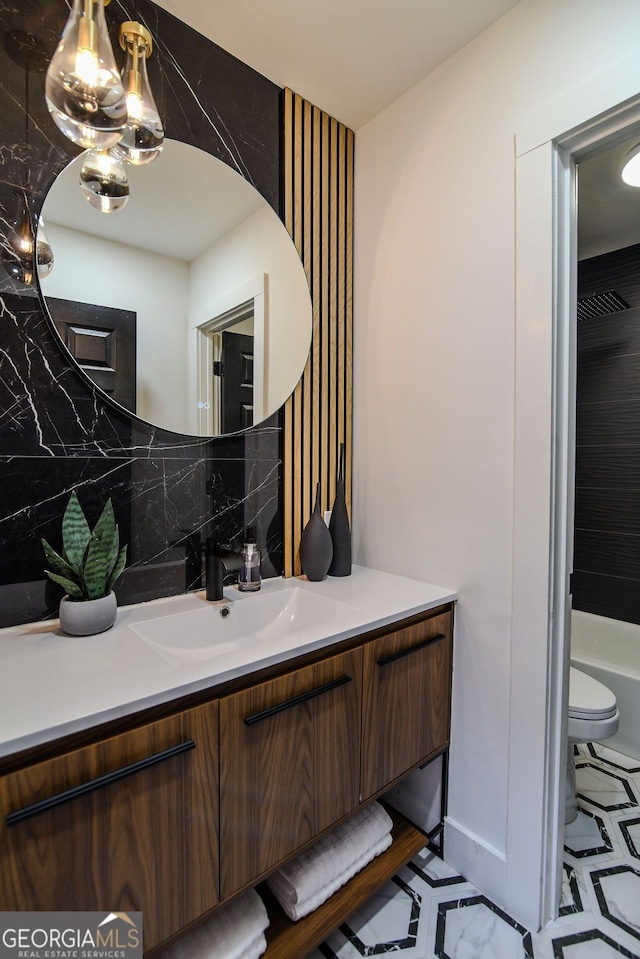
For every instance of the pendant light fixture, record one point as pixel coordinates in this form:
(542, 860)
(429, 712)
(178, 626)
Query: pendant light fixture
(84, 91)
(103, 181)
(22, 254)
(143, 134)
(44, 253)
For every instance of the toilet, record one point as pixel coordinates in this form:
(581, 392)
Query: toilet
(593, 715)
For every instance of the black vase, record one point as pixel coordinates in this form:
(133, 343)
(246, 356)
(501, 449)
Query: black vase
(339, 527)
(316, 547)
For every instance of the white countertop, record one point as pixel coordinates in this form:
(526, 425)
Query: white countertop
(52, 685)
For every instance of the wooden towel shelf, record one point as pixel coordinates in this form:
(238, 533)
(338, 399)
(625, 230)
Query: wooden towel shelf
(295, 940)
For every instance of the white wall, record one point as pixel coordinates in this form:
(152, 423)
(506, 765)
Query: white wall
(434, 365)
(89, 269)
(260, 245)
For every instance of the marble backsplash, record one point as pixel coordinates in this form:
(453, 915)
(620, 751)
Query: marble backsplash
(57, 432)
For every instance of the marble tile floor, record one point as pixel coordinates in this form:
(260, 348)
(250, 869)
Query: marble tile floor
(428, 912)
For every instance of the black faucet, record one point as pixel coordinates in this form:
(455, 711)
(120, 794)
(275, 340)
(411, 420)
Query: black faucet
(221, 568)
(192, 544)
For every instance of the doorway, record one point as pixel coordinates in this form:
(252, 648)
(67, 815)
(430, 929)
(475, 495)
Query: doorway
(234, 374)
(232, 365)
(606, 577)
(548, 146)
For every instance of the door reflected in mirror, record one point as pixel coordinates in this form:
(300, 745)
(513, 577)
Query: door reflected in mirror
(189, 307)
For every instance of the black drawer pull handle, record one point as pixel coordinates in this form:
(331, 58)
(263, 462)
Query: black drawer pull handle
(296, 700)
(27, 811)
(412, 649)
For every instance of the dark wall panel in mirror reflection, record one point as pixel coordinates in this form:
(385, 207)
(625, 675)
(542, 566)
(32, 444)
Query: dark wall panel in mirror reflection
(57, 433)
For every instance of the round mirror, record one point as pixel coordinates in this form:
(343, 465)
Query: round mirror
(189, 306)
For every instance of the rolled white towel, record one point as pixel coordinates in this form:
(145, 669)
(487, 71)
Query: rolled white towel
(236, 931)
(332, 857)
(255, 949)
(296, 910)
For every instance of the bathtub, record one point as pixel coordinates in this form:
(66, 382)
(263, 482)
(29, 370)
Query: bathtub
(609, 650)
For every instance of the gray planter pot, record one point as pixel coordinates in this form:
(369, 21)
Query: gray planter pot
(87, 617)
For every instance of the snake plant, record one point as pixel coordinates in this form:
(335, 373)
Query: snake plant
(92, 559)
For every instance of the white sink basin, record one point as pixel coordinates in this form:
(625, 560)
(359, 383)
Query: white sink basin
(218, 629)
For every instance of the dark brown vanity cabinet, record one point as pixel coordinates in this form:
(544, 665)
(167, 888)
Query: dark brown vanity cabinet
(174, 816)
(406, 700)
(125, 824)
(302, 751)
(288, 764)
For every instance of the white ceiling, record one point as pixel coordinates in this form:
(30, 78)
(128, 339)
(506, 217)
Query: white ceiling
(351, 58)
(180, 204)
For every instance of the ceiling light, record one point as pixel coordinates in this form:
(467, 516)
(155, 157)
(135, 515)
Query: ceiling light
(84, 91)
(143, 134)
(631, 169)
(104, 182)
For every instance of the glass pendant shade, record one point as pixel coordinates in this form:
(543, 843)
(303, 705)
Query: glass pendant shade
(84, 91)
(104, 182)
(44, 253)
(20, 245)
(143, 134)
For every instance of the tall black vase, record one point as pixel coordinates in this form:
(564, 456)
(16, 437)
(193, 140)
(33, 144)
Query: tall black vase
(339, 526)
(316, 547)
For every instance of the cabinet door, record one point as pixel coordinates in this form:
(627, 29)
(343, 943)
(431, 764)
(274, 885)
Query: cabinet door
(127, 824)
(289, 764)
(407, 701)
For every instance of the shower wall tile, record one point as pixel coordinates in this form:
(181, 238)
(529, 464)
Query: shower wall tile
(606, 577)
(612, 271)
(607, 553)
(610, 469)
(609, 377)
(609, 425)
(617, 515)
(57, 431)
(606, 595)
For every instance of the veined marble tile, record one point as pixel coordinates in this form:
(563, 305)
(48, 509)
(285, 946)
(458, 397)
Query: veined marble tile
(617, 890)
(613, 758)
(434, 871)
(571, 900)
(57, 430)
(430, 912)
(630, 831)
(391, 921)
(474, 928)
(587, 836)
(604, 788)
(590, 944)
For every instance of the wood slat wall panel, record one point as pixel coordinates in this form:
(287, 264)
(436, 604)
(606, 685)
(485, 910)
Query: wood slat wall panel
(334, 412)
(323, 332)
(318, 207)
(287, 433)
(348, 400)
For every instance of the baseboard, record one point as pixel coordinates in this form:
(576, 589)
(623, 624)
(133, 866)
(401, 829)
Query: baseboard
(480, 863)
